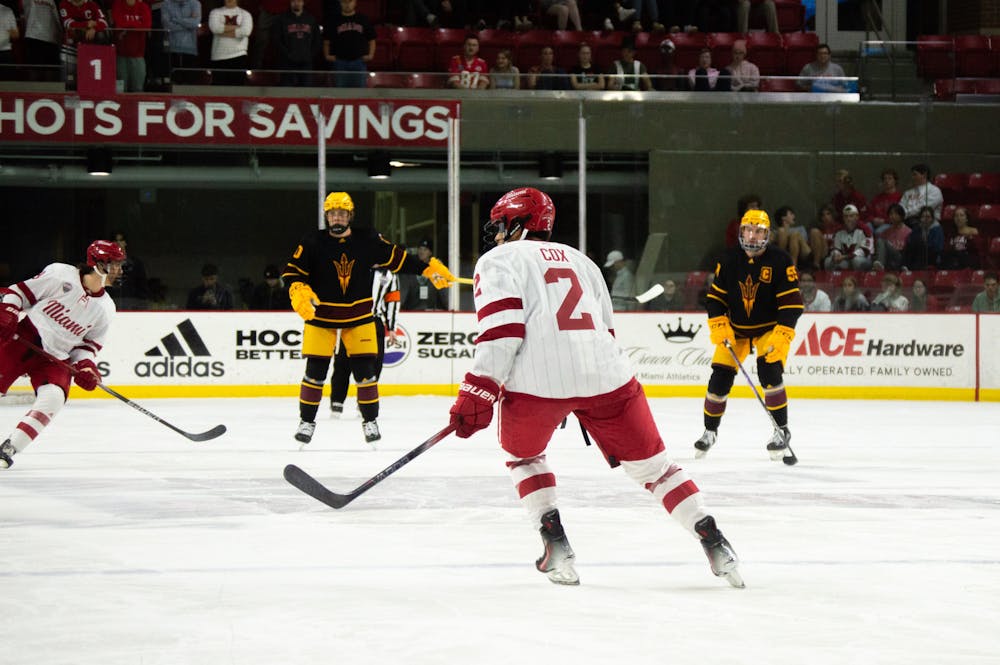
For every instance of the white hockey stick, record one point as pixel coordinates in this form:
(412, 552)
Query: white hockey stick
(653, 291)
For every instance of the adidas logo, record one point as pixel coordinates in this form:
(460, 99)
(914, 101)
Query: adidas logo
(680, 333)
(178, 361)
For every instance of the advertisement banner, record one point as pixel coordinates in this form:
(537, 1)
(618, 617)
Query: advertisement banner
(989, 357)
(171, 120)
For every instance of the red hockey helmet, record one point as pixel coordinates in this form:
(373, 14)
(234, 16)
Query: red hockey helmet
(522, 208)
(104, 251)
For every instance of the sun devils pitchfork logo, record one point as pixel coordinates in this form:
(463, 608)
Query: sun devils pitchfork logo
(749, 292)
(344, 271)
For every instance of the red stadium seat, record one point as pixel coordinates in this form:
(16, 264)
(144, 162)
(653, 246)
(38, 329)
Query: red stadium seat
(995, 249)
(384, 59)
(983, 188)
(872, 280)
(492, 42)
(944, 282)
(987, 220)
(977, 277)
(695, 279)
(952, 186)
(779, 84)
(448, 42)
(413, 49)
(374, 10)
(721, 44)
(387, 80)
(606, 47)
(948, 212)
(946, 89)
(426, 80)
(988, 86)
(972, 56)
(800, 50)
(767, 51)
(529, 46)
(791, 15)
(906, 279)
(936, 56)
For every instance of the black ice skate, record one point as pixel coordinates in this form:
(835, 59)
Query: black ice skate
(7, 452)
(305, 431)
(370, 428)
(720, 553)
(706, 441)
(337, 409)
(777, 446)
(557, 560)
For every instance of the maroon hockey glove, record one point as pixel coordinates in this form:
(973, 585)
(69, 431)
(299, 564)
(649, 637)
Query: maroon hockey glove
(473, 410)
(8, 320)
(87, 376)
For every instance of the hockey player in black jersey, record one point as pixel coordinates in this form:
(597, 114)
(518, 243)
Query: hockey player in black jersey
(754, 302)
(330, 286)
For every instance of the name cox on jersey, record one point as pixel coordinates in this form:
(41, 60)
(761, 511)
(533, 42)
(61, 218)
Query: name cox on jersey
(835, 341)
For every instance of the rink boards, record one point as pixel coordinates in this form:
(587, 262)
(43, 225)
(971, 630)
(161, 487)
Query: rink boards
(884, 356)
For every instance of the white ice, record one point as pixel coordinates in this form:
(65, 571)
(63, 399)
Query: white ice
(123, 543)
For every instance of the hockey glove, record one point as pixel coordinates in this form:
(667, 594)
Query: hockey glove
(781, 341)
(438, 273)
(303, 299)
(8, 320)
(719, 330)
(473, 410)
(86, 374)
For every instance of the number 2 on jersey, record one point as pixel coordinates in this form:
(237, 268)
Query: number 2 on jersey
(564, 316)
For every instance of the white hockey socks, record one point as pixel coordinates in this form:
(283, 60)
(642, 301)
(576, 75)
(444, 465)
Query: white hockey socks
(535, 484)
(48, 401)
(671, 486)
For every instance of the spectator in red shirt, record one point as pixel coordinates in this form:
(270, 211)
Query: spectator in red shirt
(878, 207)
(132, 20)
(469, 70)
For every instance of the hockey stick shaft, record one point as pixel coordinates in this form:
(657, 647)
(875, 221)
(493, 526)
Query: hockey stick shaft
(653, 292)
(763, 404)
(213, 433)
(306, 483)
(464, 280)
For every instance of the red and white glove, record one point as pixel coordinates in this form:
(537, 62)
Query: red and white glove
(8, 320)
(473, 410)
(86, 374)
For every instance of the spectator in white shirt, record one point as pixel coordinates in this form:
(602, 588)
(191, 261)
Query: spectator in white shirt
(923, 193)
(814, 298)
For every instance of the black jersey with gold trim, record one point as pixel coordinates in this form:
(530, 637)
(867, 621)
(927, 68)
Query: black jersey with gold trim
(755, 293)
(339, 271)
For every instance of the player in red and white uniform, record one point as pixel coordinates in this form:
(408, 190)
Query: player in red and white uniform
(546, 334)
(67, 313)
(469, 70)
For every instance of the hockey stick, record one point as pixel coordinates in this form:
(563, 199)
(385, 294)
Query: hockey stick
(306, 483)
(213, 433)
(790, 459)
(653, 291)
(464, 280)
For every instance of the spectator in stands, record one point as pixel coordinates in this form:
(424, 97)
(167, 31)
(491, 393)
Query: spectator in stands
(961, 248)
(920, 300)
(891, 298)
(83, 23)
(816, 75)
(850, 245)
(705, 77)
(702, 296)
(416, 291)
(297, 42)
(821, 235)
(546, 75)
(566, 12)
(743, 15)
(132, 20)
(744, 76)
(231, 26)
(349, 45)
(891, 243)
(468, 70)
(8, 34)
(988, 301)
(877, 212)
(585, 75)
(131, 290)
(850, 298)
(42, 32)
(846, 194)
(271, 294)
(261, 55)
(671, 300)
(630, 14)
(627, 72)
(623, 282)
(923, 193)
(744, 203)
(182, 18)
(504, 75)
(791, 237)
(924, 246)
(211, 294)
(814, 298)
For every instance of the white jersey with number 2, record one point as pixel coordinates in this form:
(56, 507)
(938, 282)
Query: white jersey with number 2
(545, 322)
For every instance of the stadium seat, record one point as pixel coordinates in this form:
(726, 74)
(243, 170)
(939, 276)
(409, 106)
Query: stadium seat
(529, 46)
(936, 56)
(945, 281)
(791, 15)
(721, 44)
(387, 80)
(972, 56)
(995, 250)
(988, 86)
(384, 59)
(606, 47)
(687, 46)
(767, 51)
(987, 220)
(492, 42)
(779, 84)
(907, 278)
(800, 50)
(426, 80)
(263, 78)
(414, 49)
(948, 212)
(448, 42)
(977, 277)
(983, 188)
(374, 10)
(946, 89)
(872, 280)
(952, 186)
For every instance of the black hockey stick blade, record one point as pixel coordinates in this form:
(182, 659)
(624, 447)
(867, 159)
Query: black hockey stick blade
(309, 485)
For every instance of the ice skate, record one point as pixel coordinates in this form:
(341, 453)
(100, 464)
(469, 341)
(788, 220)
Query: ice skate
(777, 446)
(557, 560)
(706, 441)
(370, 428)
(7, 452)
(720, 553)
(305, 431)
(336, 409)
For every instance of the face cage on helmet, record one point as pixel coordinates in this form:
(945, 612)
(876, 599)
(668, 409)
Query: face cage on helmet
(508, 228)
(754, 247)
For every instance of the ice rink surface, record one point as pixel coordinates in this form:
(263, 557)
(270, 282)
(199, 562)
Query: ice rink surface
(124, 543)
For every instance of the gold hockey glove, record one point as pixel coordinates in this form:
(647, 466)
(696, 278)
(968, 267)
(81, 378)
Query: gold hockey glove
(719, 330)
(438, 273)
(303, 299)
(781, 341)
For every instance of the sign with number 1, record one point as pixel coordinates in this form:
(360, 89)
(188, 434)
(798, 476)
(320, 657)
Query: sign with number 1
(95, 70)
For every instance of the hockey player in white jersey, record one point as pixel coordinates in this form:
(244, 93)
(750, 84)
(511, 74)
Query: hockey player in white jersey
(546, 348)
(67, 313)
